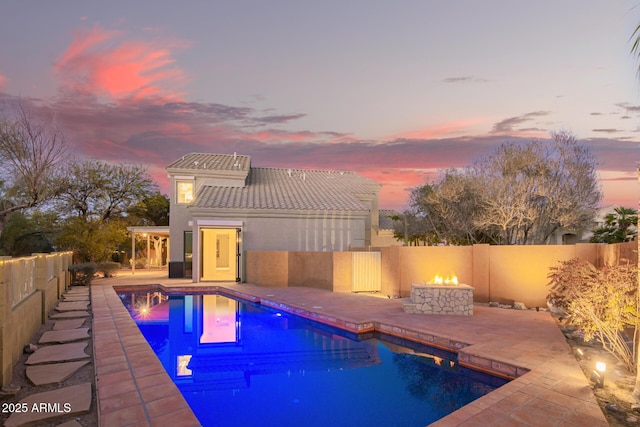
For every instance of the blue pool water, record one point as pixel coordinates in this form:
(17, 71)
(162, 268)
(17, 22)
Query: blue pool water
(239, 364)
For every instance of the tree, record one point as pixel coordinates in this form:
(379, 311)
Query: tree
(31, 153)
(412, 229)
(91, 240)
(449, 207)
(99, 190)
(520, 193)
(617, 227)
(95, 199)
(531, 190)
(152, 210)
(26, 234)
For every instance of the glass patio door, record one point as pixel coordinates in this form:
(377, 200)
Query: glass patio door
(219, 254)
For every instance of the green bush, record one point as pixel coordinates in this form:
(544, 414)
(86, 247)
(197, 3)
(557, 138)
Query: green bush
(82, 274)
(108, 268)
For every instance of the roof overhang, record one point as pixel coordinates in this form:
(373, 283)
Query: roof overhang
(150, 230)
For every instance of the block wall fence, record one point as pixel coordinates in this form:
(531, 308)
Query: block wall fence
(498, 273)
(29, 289)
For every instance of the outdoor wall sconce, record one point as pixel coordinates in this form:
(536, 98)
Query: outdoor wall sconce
(597, 376)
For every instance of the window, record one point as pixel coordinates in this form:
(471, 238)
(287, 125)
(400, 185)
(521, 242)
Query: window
(184, 191)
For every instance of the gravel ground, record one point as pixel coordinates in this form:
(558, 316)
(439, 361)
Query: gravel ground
(25, 388)
(615, 397)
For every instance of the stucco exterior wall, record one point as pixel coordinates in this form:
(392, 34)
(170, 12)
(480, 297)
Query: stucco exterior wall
(498, 273)
(311, 232)
(333, 231)
(383, 239)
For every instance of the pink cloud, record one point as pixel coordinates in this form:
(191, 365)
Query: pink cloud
(155, 133)
(3, 80)
(104, 63)
(442, 130)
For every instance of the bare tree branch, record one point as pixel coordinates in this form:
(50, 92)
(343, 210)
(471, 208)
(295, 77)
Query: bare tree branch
(31, 151)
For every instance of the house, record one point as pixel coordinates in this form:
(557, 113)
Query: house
(222, 206)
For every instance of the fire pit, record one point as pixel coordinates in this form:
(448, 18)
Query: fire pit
(440, 296)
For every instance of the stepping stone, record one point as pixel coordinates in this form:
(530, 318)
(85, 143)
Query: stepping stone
(58, 353)
(72, 423)
(72, 306)
(84, 291)
(63, 325)
(69, 335)
(73, 298)
(69, 314)
(55, 373)
(51, 404)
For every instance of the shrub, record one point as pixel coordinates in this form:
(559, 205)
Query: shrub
(82, 274)
(108, 268)
(600, 302)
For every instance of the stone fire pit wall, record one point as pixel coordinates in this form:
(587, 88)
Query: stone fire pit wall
(440, 299)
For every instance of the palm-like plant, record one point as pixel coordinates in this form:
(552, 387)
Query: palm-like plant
(619, 226)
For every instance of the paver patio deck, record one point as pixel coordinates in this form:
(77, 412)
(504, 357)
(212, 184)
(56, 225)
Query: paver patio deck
(550, 388)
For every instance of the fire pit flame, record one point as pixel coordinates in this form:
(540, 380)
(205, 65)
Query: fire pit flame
(449, 280)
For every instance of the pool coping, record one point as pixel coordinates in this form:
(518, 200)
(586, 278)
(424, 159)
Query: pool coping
(133, 389)
(493, 366)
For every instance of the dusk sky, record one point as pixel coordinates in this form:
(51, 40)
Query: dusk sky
(394, 90)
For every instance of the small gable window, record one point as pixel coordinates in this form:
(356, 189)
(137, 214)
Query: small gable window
(184, 191)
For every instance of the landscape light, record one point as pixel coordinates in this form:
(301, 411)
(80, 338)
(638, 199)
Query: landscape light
(597, 376)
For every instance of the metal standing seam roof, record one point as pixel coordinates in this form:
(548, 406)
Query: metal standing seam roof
(271, 188)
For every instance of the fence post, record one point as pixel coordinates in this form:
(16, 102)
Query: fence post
(42, 279)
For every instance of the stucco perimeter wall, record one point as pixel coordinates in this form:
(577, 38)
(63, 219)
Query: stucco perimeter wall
(311, 269)
(519, 273)
(497, 273)
(322, 270)
(267, 268)
(419, 264)
(342, 271)
(617, 253)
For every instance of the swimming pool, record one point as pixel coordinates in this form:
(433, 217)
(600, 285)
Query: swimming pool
(238, 363)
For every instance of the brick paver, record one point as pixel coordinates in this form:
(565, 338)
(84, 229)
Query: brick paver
(549, 388)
